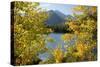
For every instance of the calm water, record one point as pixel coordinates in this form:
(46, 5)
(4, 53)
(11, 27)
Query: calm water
(52, 45)
(57, 41)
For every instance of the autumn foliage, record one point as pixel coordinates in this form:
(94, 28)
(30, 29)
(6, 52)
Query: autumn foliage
(30, 34)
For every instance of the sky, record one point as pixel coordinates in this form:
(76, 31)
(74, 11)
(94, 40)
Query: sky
(64, 8)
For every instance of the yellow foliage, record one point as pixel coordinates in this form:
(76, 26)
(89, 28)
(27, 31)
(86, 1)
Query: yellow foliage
(58, 55)
(67, 37)
(80, 49)
(73, 26)
(28, 23)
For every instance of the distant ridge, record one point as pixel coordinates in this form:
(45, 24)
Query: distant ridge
(55, 17)
(56, 21)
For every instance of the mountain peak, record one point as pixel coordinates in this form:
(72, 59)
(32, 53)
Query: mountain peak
(62, 15)
(56, 17)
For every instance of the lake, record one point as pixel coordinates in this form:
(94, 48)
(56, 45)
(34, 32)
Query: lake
(52, 45)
